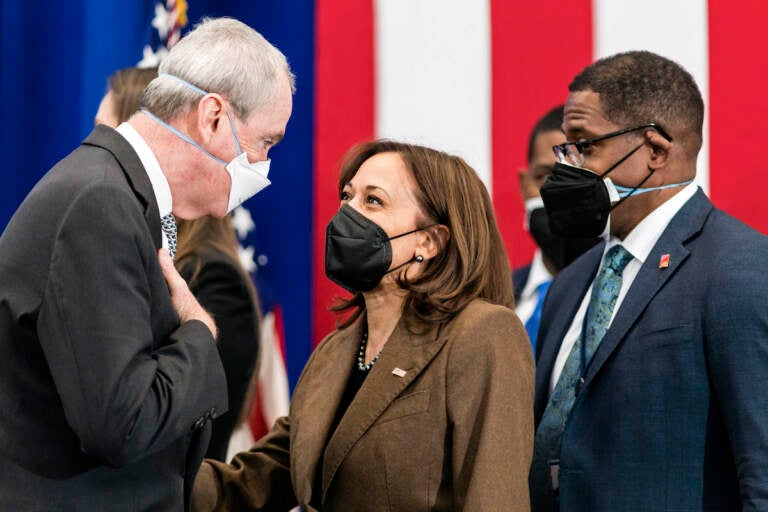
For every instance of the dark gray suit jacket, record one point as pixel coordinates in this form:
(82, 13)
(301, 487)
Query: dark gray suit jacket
(222, 289)
(673, 414)
(104, 397)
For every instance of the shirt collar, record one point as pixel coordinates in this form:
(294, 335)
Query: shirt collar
(537, 275)
(644, 236)
(159, 183)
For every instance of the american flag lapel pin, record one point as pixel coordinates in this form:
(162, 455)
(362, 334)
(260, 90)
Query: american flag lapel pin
(664, 261)
(399, 372)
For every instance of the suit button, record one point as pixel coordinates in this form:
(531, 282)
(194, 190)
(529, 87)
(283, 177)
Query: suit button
(212, 412)
(198, 424)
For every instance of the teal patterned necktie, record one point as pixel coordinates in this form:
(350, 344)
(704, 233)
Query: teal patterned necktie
(168, 223)
(605, 291)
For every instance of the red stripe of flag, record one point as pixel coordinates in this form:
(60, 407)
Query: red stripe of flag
(535, 52)
(344, 116)
(738, 175)
(257, 420)
(280, 330)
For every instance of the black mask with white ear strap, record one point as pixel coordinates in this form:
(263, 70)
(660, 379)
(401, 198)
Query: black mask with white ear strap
(579, 201)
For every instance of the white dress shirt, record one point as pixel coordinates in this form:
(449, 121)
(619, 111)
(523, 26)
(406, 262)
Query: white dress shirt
(639, 242)
(156, 177)
(529, 297)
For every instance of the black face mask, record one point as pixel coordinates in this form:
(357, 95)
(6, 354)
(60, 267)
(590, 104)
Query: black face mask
(577, 200)
(358, 251)
(559, 250)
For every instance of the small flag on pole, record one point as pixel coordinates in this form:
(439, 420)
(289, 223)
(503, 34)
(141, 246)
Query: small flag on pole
(164, 31)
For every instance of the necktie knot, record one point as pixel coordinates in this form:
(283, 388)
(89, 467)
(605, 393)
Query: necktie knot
(168, 223)
(617, 258)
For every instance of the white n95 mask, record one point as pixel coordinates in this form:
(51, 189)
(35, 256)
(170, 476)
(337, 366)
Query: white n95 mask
(247, 179)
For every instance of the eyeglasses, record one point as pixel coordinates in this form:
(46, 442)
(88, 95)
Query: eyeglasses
(573, 152)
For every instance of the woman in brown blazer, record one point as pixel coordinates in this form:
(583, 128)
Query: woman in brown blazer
(422, 399)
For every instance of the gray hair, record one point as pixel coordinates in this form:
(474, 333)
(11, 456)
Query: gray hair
(222, 56)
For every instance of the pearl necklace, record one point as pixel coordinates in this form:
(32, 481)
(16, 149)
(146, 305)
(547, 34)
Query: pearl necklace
(361, 355)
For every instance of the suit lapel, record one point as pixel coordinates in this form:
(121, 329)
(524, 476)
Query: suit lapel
(575, 281)
(324, 387)
(408, 352)
(110, 140)
(687, 223)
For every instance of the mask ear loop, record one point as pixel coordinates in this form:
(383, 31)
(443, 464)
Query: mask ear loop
(418, 258)
(614, 166)
(651, 171)
(411, 231)
(234, 133)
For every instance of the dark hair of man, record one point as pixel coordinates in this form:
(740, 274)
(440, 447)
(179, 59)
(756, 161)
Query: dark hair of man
(641, 87)
(552, 121)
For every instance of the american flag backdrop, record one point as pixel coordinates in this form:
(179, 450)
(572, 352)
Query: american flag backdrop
(467, 76)
(168, 19)
(473, 77)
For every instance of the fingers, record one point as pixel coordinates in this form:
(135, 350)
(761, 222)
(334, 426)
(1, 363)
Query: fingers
(184, 302)
(171, 275)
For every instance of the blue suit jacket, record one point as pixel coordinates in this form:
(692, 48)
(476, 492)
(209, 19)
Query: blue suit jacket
(673, 414)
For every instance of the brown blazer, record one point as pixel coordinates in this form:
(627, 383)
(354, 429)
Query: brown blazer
(455, 432)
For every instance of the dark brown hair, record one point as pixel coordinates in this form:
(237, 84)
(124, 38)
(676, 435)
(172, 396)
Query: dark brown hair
(126, 85)
(472, 264)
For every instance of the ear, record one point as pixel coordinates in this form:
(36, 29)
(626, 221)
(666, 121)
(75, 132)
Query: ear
(432, 240)
(210, 111)
(660, 148)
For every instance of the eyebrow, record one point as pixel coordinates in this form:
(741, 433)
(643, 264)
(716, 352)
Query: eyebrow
(578, 134)
(369, 188)
(376, 187)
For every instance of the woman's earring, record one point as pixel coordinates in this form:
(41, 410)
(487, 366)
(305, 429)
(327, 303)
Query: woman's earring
(419, 258)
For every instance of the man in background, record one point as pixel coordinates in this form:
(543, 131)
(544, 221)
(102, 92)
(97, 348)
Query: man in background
(110, 373)
(653, 345)
(553, 252)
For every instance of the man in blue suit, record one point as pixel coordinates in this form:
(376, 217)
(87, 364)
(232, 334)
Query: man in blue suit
(653, 351)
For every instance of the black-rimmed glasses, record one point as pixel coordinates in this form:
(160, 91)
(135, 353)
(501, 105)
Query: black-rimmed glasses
(573, 152)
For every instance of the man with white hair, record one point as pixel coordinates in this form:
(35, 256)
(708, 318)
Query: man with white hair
(110, 373)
